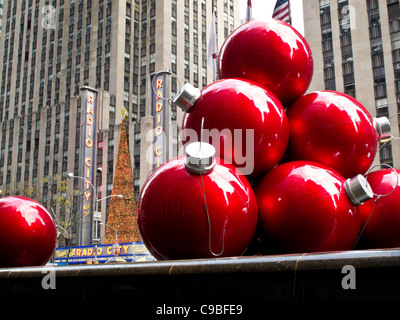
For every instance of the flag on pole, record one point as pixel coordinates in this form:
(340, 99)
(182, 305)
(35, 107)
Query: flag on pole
(249, 12)
(212, 49)
(282, 11)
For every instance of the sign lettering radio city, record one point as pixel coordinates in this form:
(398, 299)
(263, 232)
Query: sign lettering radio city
(89, 154)
(132, 250)
(87, 167)
(90, 132)
(159, 115)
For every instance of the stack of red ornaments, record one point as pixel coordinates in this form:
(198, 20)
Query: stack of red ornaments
(304, 155)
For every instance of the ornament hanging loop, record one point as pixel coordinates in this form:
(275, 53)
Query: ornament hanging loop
(396, 185)
(154, 85)
(378, 196)
(209, 222)
(204, 163)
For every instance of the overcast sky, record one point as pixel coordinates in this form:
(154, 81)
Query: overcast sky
(262, 10)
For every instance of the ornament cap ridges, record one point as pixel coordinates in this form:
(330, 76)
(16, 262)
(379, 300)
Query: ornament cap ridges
(199, 157)
(186, 97)
(358, 189)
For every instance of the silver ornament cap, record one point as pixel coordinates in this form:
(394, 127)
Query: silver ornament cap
(199, 157)
(187, 97)
(358, 189)
(382, 126)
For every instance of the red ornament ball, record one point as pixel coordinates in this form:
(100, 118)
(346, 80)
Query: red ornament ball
(272, 53)
(172, 212)
(334, 129)
(28, 233)
(381, 217)
(303, 207)
(245, 122)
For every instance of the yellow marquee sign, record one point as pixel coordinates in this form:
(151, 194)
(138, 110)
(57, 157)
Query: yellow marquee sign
(134, 251)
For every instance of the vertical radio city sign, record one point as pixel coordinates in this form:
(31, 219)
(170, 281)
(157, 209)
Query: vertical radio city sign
(88, 153)
(159, 112)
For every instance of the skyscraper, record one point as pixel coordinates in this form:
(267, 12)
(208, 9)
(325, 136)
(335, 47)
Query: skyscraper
(356, 50)
(50, 49)
(1, 13)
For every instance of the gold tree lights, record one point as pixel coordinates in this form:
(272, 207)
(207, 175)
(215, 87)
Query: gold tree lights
(122, 213)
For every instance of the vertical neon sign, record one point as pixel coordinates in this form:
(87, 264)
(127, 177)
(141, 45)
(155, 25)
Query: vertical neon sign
(87, 168)
(159, 116)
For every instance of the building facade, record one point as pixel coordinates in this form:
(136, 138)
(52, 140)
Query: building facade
(356, 50)
(50, 49)
(1, 13)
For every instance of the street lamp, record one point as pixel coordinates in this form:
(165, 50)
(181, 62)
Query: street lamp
(111, 195)
(71, 175)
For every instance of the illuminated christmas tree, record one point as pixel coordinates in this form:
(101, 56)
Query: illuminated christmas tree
(122, 213)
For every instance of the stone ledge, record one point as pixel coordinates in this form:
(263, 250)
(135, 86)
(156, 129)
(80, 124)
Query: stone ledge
(316, 276)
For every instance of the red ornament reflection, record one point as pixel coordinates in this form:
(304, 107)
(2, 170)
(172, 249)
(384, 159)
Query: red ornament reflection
(245, 122)
(28, 233)
(381, 217)
(172, 215)
(271, 53)
(303, 207)
(334, 129)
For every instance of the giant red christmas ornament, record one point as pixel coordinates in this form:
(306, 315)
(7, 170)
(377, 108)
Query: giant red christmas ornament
(193, 207)
(28, 233)
(334, 129)
(308, 207)
(271, 53)
(244, 122)
(381, 217)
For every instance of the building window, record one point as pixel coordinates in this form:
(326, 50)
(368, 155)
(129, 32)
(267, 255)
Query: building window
(380, 90)
(385, 153)
(375, 31)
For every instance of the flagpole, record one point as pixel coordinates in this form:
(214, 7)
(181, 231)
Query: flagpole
(249, 11)
(215, 70)
(212, 48)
